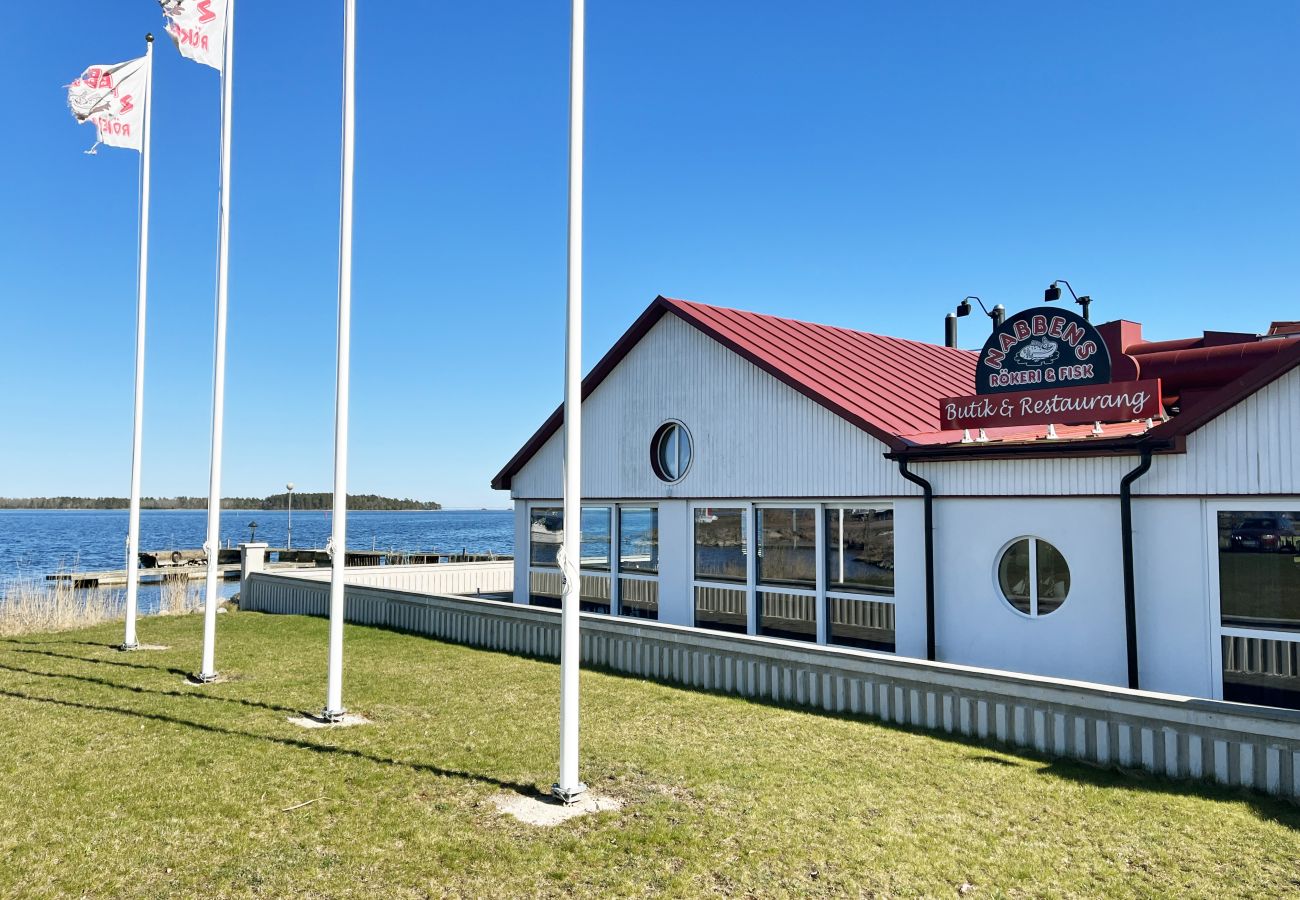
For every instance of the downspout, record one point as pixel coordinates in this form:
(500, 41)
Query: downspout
(929, 554)
(1126, 533)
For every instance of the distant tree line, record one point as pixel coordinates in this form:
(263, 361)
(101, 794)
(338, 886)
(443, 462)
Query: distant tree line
(275, 501)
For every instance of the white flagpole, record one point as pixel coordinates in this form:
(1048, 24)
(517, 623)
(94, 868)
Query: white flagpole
(129, 641)
(569, 787)
(212, 545)
(334, 711)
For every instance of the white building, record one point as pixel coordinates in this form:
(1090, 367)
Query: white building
(752, 473)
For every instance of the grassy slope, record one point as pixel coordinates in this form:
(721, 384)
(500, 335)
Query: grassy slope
(118, 779)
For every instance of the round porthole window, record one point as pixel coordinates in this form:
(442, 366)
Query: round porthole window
(670, 451)
(1033, 576)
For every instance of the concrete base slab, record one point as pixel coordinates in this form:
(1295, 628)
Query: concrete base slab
(196, 681)
(309, 720)
(547, 812)
(143, 647)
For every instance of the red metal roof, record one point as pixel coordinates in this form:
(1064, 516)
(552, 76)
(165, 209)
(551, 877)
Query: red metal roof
(891, 387)
(887, 386)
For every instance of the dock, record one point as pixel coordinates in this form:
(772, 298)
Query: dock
(167, 566)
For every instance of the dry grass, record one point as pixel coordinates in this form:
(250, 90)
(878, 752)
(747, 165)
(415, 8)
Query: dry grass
(29, 605)
(180, 596)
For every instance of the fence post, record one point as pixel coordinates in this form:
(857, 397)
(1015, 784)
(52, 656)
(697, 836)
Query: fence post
(252, 558)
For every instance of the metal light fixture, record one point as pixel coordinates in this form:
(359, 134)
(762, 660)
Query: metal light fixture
(998, 314)
(1053, 293)
(288, 544)
(252, 531)
(950, 323)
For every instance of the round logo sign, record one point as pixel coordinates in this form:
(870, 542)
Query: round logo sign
(1039, 348)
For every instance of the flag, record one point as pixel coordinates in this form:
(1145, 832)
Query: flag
(198, 28)
(113, 98)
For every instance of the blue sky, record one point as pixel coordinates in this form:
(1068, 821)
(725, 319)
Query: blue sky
(858, 163)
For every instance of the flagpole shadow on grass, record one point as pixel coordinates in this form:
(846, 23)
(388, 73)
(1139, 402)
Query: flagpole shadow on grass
(293, 743)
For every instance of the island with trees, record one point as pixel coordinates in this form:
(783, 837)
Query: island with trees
(301, 500)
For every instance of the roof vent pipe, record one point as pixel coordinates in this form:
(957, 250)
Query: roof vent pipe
(950, 330)
(999, 316)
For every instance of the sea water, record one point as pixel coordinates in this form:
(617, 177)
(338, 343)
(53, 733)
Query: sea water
(34, 543)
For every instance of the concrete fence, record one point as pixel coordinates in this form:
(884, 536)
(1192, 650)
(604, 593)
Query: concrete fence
(441, 578)
(1233, 744)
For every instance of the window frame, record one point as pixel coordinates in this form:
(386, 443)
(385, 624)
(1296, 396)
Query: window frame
(614, 572)
(879, 596)
(1215, 629)
(753, 589)
(661, 433)
(1033, 614)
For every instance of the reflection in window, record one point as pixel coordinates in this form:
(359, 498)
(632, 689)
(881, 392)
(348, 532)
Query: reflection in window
(638, 539)
(787, 547)
(722, 609)
(595, 537)
(860, 623)
(1033, 576)
(1260, 670)
(545, 534)
(720, 545)
(1053, 579)
(1259, 577)
(860, 550)
(546, 589)
(792, 616)
(638, 598)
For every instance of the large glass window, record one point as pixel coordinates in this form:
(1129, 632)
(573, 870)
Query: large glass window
(1033, 576)
(545, 534)
(721, 544)
(787, 546)
(638, 539)
(860, 550)
(596, 532)
(1259, 569)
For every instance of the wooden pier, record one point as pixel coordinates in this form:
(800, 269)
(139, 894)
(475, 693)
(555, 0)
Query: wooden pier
(165, 566)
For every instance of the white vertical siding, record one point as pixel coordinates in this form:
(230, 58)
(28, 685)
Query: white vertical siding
(754, 436)
(1253, 448)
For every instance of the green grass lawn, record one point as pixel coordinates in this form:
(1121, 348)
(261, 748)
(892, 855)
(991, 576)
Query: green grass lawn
(118, 779)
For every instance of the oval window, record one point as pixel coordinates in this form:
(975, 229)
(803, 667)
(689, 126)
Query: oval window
(670, 452)
(1033, 576)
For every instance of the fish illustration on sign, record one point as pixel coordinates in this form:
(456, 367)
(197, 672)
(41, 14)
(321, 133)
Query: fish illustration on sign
(1039, 352)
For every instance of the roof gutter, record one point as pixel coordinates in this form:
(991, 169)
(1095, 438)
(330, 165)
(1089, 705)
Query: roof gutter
(928, 489)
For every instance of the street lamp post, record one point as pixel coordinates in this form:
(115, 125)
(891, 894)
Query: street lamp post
(252, 531)
(288, 543)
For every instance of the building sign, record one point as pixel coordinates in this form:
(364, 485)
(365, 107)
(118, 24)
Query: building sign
(1120, 402)
(1041, 348)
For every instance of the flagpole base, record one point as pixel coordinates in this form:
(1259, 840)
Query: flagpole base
(205, 678)
(128, 648)
(570, 795)
(332, 716)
